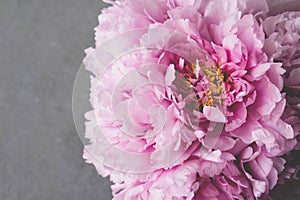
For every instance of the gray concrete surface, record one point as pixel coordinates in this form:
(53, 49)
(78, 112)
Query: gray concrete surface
(41, 48)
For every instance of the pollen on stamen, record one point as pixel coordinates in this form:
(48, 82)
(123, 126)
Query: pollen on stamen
(215, 78)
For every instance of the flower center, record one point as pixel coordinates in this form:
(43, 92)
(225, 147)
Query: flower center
(215, 79)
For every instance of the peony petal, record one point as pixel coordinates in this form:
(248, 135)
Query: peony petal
(170, 75)
(294, 78)
(257, 72)
(267, 96)
(213, 114)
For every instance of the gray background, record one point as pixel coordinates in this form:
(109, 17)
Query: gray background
(42, 45)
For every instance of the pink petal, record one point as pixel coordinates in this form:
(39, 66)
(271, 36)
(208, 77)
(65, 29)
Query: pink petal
(213, 114)
(170, 75)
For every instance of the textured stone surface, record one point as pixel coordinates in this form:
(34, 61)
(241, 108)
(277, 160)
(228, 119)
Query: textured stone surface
(41, 48)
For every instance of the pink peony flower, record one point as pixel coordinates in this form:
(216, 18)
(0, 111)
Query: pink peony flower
(282, 45)
(186, 102)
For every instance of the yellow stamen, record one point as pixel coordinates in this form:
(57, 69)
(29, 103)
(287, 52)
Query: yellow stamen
(215, 76)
